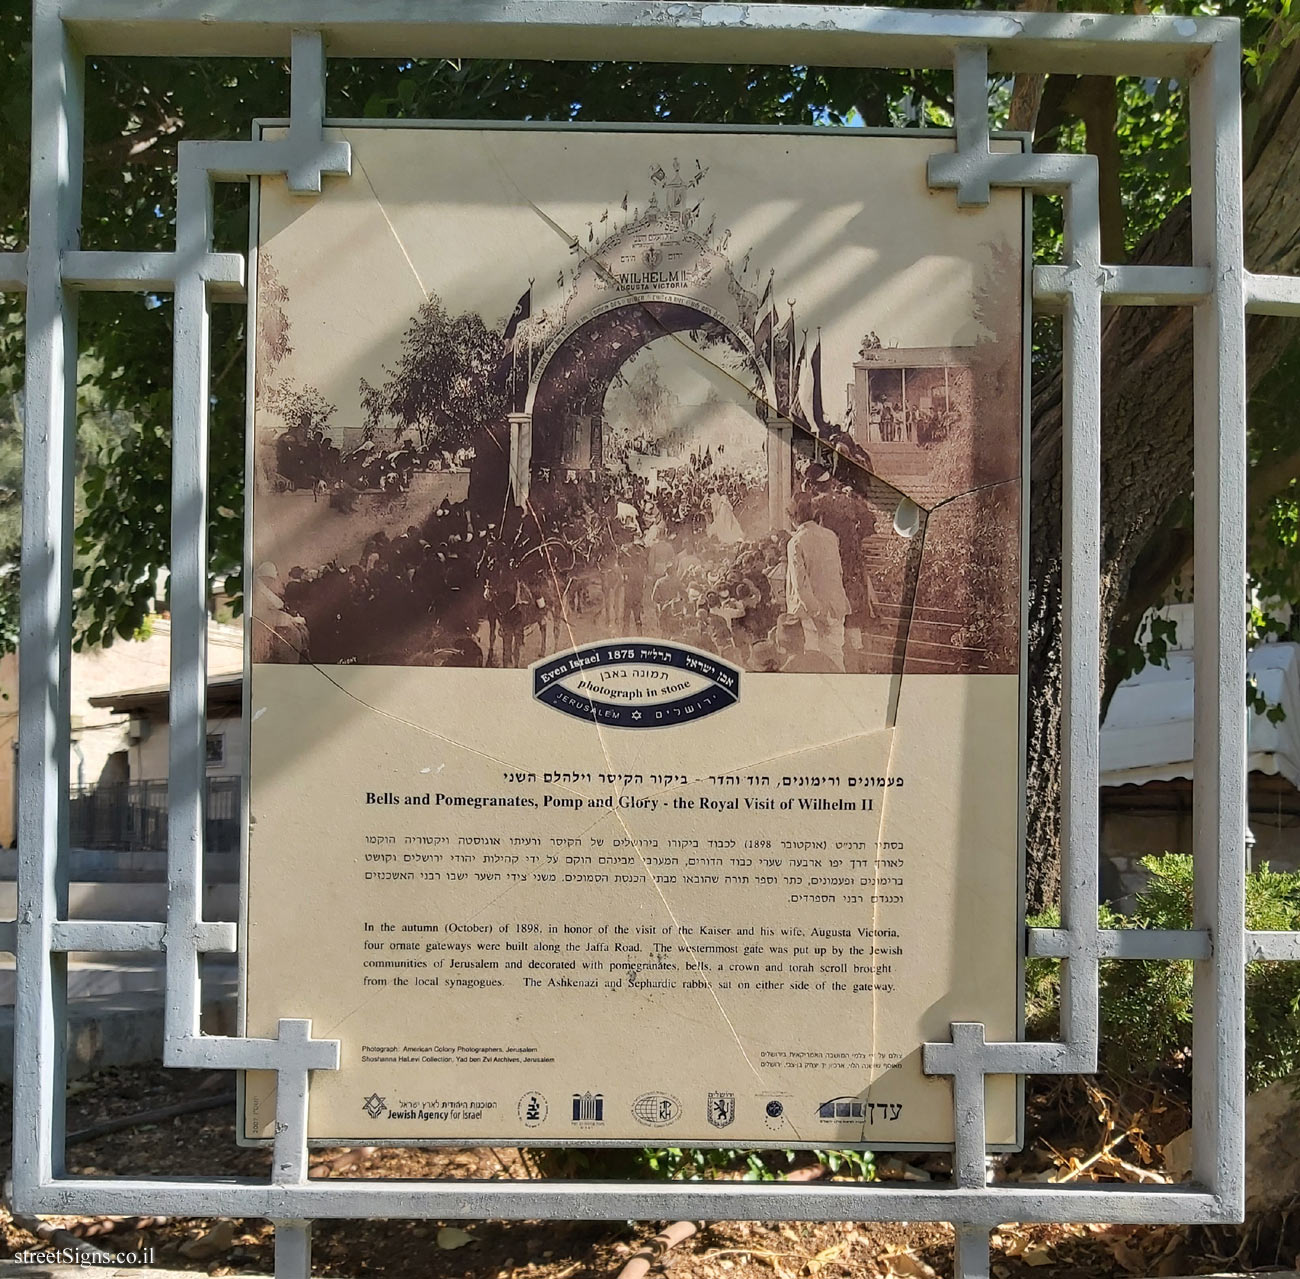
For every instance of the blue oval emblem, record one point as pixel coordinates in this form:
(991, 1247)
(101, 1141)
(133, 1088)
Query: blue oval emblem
(636, 684)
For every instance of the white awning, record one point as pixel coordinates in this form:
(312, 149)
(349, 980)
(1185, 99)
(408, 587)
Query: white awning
(1147, 736)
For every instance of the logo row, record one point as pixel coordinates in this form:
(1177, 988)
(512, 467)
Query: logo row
(659, 1109)
(651, 1109)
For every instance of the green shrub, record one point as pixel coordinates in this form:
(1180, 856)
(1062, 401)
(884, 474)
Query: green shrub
(1146, 1006)
(685, 1164)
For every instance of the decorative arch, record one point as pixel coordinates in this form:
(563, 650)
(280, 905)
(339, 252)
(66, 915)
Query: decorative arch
(567, 389)
(666, 312)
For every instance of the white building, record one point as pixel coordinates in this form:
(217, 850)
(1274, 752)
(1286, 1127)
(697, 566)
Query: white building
(107, 747)
(1146, 761)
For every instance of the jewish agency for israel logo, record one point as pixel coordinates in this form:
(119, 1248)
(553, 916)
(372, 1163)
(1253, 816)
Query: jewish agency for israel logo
(636, 684)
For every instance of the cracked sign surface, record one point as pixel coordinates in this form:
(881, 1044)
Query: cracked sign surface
(636, 682)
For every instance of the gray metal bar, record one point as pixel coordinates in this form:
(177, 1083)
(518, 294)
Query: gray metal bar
(189, 602)
(1279, 946)
(561, 1200)
(1129, 285)
(307, 155)
(9, 936)
(1076, 176)
(1081, 607)
(652, 30)
(1124, 943)
(106, 935)
(1272, 294)
(969, 1128)
(1011, 1058)
(306, 112)
(297, 1055)
(46, 628)
(1219, 788)
(292, 1249)
(972, 1256)
(113, 272)
(212, 937)
(971, 115)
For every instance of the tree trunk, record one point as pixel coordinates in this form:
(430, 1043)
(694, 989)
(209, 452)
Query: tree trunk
(1146, 448)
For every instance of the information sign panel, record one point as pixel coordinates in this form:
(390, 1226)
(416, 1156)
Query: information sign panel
(636, 662)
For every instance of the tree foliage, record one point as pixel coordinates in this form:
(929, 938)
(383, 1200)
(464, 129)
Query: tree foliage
(1146, 1005)
(444, 384)
(302, 408)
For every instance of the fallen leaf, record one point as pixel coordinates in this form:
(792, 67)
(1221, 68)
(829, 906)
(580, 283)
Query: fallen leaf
(1014, 1244)
(221, 1238)
(903, 1265)
(1130, 1258)
(450, 1237)
(1036, 1255)
(826, 1254)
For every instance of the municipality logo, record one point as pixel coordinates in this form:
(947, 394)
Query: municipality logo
(722, 1109)
(636, 684)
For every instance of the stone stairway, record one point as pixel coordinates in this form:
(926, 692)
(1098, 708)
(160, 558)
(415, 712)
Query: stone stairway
(907, 467)
(927, 637)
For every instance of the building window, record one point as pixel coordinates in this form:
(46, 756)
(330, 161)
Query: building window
(215, 744)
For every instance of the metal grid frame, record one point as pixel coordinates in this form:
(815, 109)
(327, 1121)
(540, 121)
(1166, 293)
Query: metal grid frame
(54, 270)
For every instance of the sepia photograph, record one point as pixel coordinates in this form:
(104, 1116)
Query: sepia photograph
(672, 433)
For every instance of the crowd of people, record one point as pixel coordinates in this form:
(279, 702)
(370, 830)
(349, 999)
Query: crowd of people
(896, 422)
(307, 458)
(684, 554)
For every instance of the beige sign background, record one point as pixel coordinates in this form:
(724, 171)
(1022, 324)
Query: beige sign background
(739, 928)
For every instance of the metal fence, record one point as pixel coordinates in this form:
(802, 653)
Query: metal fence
(1204, 52)
(133, 816)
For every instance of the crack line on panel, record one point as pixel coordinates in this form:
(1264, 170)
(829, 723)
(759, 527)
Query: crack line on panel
(379, 710)
(635, 842)
(384, 214)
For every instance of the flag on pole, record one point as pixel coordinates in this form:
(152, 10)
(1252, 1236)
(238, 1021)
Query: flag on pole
(819, 416)
(763, 338)
(797, 411)
(759, 309)
(781, 366)
(504, 373)
(523, 309)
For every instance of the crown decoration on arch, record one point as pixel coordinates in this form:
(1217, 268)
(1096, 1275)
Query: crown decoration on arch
(662, 245)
